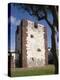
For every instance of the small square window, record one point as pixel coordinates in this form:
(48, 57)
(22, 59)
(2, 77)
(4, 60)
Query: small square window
(32, 36)
(38, 50)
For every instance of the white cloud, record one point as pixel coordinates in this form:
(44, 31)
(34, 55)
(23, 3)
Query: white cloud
(17, 22)
(12, 20)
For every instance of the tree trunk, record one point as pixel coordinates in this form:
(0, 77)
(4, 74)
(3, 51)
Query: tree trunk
(54, 50)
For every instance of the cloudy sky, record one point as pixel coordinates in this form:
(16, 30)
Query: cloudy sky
(16, 15)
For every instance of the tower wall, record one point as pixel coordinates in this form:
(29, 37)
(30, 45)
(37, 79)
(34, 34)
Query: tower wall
(33, 44)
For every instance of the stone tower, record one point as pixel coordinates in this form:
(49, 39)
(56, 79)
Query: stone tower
(31, 44)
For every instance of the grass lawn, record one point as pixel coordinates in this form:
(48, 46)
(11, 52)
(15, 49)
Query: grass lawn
(46, 70)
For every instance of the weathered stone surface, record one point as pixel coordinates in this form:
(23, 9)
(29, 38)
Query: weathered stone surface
(33, 44)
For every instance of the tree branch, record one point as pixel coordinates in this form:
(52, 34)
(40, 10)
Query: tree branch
(50, 25)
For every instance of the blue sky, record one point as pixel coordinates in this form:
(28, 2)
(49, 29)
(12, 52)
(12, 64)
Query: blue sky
(18, 14)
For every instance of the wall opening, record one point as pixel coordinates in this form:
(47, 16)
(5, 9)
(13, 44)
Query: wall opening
(31, 36)
(38, 49)
(32, 59)
(35, 25)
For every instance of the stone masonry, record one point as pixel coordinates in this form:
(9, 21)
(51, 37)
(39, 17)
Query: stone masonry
(31, 44)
